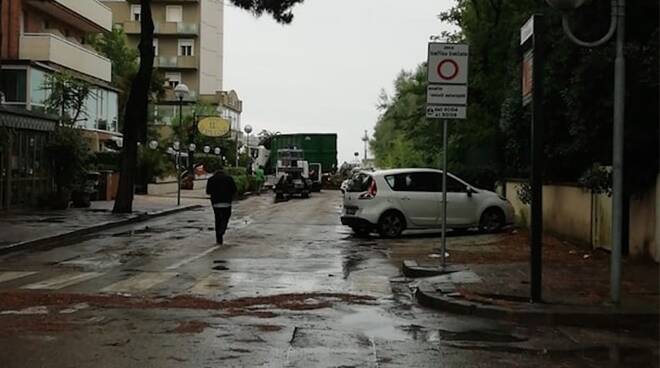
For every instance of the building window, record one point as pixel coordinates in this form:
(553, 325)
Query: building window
(38, 92)
(174, 13)
(136, 13)
(186, 47)
(14, 85)
(173, 79)
(155, 47)
(113, 111)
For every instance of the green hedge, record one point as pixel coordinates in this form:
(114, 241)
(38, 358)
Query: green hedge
(245, 183)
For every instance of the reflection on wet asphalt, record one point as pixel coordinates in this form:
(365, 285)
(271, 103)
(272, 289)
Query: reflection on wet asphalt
(299, 291)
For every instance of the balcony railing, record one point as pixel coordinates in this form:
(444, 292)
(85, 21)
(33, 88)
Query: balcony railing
(93, 12)
(164, 28)
(178, 62)
(51, 48)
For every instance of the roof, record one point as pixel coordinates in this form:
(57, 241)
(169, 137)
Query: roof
(405, 170)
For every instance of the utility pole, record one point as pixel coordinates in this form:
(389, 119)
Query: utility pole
(617, 26)
(365, 139)
(531, 41)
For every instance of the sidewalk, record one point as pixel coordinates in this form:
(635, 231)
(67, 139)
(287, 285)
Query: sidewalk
(494, 282)
(31, 227)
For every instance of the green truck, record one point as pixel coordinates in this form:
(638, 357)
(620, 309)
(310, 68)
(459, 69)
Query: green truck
(318, 147)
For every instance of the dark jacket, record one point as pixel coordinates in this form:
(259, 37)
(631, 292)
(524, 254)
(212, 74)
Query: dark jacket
(221, 188)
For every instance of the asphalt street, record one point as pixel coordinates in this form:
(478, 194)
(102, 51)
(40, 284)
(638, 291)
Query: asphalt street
(291, 287)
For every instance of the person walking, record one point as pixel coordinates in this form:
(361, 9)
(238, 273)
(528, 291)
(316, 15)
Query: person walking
(222, 188)
(260, 178)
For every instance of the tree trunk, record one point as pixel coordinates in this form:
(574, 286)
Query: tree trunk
(135, 115)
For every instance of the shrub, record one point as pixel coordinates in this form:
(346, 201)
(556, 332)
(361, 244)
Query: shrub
(241, 184)
(69, 157)
(235, 171)
(211, 163)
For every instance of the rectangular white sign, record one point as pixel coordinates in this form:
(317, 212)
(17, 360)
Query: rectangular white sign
(448, 63)
(446, 94)
(445, 112)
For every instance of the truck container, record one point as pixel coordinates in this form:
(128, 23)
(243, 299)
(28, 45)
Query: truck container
(318, 148)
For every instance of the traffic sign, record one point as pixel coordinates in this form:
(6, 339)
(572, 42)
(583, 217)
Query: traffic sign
(448, 63)
(446, 94)
(445, 112)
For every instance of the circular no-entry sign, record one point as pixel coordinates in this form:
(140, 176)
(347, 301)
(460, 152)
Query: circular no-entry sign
(447, 69)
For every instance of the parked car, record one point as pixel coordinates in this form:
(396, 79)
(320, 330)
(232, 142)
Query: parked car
(391, 201)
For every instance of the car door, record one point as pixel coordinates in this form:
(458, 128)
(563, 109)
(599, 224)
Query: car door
(416, 197)
(461, 206)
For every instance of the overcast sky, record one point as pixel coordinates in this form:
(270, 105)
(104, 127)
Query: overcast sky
(323, 73)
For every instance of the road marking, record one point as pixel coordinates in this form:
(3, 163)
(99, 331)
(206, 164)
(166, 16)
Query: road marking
(210, 285)
(63, 281)
(193, 258)
(13, 275)
(139, 282)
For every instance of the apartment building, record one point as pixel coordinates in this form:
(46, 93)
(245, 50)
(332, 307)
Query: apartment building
(188, 43)
(40, 37)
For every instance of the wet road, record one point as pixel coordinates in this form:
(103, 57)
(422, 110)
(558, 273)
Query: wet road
(290, 288)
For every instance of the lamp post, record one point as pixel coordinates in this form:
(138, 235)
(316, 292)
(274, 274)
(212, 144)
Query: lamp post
(175, 152)
(181, 91)
(248, 129)
(617, 23)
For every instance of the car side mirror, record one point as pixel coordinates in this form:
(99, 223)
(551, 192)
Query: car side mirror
(469, 191)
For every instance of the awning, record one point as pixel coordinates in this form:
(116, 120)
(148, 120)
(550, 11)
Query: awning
(27, 120)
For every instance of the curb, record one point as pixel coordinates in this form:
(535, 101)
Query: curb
(66, 238)
(411, 269)
(597, 317)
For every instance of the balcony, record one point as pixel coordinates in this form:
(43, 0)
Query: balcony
(176, 62)
(51, 48)
(164, 28)
(88, 15)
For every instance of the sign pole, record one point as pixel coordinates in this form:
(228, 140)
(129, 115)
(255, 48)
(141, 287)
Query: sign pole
(444, 193)
(531, 39)
(446, 98)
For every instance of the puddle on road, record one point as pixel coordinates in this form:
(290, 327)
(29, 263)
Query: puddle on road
(373, 324)
(351, 263)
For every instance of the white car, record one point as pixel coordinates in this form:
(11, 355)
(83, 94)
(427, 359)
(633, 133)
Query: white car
(391, 201)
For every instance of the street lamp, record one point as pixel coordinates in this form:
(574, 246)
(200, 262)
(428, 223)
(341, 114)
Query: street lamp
(617, 23)
(248, 129)
(174, 150)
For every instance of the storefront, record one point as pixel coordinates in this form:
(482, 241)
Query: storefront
(24, 173)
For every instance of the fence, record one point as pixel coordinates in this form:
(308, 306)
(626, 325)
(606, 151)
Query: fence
(573, 213)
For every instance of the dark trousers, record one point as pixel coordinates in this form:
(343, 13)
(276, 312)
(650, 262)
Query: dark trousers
(222, 216)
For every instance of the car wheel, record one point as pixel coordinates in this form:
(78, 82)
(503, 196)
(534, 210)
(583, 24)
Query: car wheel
(391, 225)
(492, 220)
